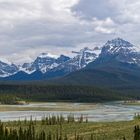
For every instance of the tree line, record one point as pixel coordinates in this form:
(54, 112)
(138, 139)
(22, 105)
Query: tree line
(28, 130)
(38, 92)
(9, 99)
(30, 133)
(58, 120)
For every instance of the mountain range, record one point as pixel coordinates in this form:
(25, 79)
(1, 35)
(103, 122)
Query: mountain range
(117, 63)
(46, 66)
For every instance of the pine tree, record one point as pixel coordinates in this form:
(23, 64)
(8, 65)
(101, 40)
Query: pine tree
(65, 138)
(124, 138)
(91, 137)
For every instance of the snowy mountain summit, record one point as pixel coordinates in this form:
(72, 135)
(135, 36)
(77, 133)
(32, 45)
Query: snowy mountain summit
(7, 69)
(85, 56)
(44, 62)
(81, 60)
(117, 46)
(122, 50)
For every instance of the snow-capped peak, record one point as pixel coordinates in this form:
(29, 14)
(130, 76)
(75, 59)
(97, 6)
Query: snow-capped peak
(117, 46)
(119, 42)
(82, 58)
(3, 60)
(44, 63)
(85, 56)
(7, 68)
(121, 50)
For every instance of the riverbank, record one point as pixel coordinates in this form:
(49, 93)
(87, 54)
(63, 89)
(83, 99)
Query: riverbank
(132, 102)
(44, 106)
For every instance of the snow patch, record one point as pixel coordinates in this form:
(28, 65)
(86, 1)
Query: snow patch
(5, 61)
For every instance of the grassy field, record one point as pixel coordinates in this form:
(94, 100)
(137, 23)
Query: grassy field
(100, 131)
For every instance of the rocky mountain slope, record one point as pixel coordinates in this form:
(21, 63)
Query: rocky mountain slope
(117, 65)
(47, 67)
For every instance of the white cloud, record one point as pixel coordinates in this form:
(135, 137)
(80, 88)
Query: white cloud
(30, 27)
(104, 26)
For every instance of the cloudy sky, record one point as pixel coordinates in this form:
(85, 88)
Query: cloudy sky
(29, 27)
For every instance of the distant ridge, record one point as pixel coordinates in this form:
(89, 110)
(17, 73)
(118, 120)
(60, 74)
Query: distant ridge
(118, 65)
(46, 66)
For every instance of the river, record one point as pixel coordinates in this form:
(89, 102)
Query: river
(105, 112)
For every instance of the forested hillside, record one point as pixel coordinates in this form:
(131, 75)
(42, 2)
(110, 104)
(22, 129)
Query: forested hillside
(43, 92)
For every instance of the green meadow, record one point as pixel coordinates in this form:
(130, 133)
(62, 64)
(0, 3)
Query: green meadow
(79, 130)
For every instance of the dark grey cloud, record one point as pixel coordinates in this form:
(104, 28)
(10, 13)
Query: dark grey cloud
(95, 8)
